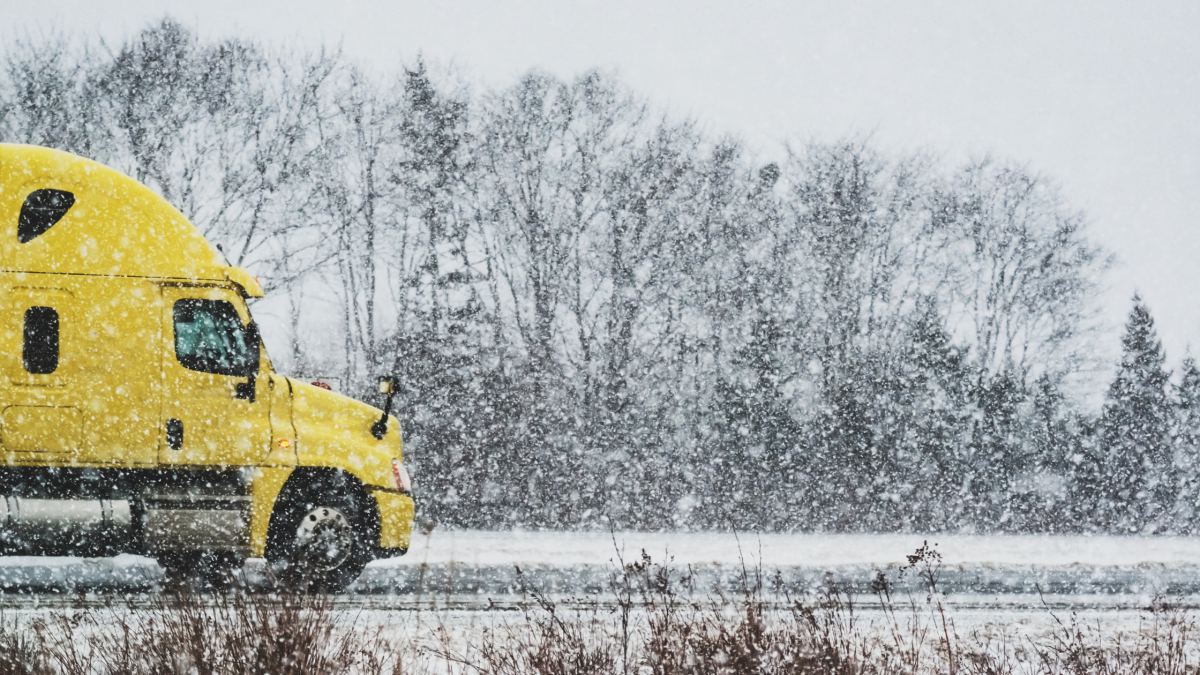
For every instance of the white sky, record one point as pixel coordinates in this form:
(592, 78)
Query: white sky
(1104, 97)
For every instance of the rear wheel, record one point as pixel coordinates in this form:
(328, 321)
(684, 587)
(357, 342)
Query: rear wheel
(319, 540)
(200, 570)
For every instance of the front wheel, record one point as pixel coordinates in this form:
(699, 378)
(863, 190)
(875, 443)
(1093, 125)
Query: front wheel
(320, 544)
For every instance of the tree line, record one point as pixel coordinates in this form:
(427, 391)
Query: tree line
(604, 316)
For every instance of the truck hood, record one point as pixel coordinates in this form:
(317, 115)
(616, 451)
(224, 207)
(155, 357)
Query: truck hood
(335, 431)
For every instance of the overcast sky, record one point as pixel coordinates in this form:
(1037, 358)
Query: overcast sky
(1104, 97)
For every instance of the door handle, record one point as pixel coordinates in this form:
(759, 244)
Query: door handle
(175, 433)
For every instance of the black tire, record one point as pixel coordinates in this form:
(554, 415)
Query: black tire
(200, 570)
(318, 540)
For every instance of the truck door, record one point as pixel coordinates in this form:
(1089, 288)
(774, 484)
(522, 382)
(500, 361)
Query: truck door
(214, 411)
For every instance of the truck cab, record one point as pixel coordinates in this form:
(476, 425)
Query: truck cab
(139, 410)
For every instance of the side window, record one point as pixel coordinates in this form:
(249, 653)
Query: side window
(41, 210)
(40, 348)
(210, 338)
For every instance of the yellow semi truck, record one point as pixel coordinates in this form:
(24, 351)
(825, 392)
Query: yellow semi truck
(139, 410)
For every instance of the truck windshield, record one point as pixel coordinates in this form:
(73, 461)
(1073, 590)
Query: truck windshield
(210, 338)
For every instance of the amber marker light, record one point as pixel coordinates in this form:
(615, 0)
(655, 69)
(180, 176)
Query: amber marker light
(285, 443)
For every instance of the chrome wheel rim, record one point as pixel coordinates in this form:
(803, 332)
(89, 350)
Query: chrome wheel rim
(325, 538)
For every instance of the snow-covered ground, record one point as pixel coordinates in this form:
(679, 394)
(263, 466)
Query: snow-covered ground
(564, 549)
(455, 583)
(473, 567)
(977, 570)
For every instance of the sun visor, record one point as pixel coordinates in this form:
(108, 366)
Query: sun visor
(250, 286)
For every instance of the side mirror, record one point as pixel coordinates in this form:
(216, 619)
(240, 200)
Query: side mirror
(246, 390)
(387, 385)
(254, 342)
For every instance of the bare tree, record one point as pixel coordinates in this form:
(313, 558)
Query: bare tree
(538, 146)
(1026, 271)
(50, 101)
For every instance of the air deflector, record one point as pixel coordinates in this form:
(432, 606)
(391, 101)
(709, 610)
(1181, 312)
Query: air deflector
(41, 210)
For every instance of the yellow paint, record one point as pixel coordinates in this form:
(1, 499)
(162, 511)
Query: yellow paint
(249, 285)
(109, 369)
(284, 452)
(331, 428)
(112, 268)
(36, 429)
(396, 518)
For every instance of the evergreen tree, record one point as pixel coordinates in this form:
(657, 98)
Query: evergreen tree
(1039, 500)
(1187, 448)
(845, 458)
(998, 455)
(920, 419)
(761, 468)
(1086, 501)
(1135, 427)
(938, 373)
(1048, 430)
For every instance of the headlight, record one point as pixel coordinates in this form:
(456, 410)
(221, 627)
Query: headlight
(403, 482)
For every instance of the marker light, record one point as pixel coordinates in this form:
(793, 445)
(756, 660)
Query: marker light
(285, 443)
(403, 482)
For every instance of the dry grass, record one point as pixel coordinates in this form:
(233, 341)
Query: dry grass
(656, 626)
(657, 629)
(195, 634)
